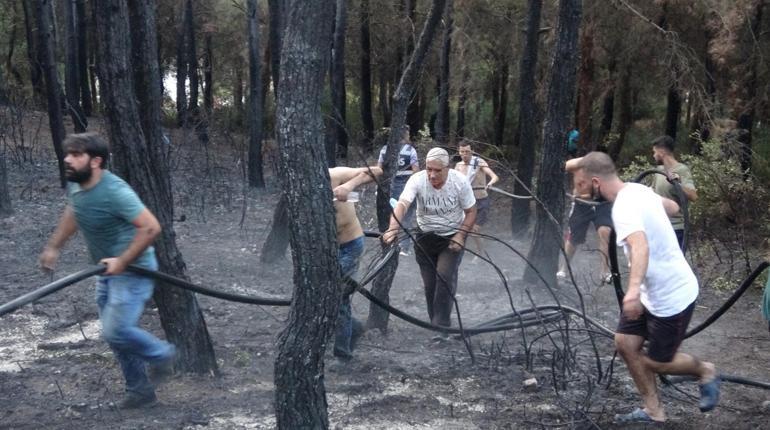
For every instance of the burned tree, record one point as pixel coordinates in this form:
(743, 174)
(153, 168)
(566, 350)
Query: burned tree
(52, 87)
(442, 114)
(299, 384)
(544, 253)
(256, 176)
(140, 158)
(367, 119)
(339, 132)
(378, 318)
(72, 68)
(526, 138)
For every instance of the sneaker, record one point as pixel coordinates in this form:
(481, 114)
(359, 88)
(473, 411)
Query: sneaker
(561, 274)
(162, 370)
(443, 337)
(136, 401)
(404, 253)
(709, 395)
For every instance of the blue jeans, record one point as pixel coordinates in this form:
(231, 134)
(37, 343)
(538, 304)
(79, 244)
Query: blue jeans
(348, 255)
(121, 301)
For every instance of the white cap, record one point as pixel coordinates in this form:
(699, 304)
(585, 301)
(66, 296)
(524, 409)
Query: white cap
(438, 154)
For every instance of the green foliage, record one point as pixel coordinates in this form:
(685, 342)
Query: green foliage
(728, 198)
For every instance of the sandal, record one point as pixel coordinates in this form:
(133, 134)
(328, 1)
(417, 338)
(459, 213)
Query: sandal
(638, 415)
(709, 395)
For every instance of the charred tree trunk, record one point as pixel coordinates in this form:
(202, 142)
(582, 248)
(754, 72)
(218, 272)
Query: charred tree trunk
(208, 83)
(277, 12)
(339, 130)
(413, 115)
(51, 78)
(238, 94)
(384, 98)
(378, 318)
(182, 68)
(625, 115)
(12, 43)
(608, 108)
(299, 370)
(526, 137)
(85, 89)
(6, 208)
(256, 176)
(501, 94)
(367, 119)
(462, 101)
(142, 159)
(585, 89)
(749, 95)
(544, 253)
(442, 114)
(673, 110)
(72, 70)
(33, 49)
(274, 248)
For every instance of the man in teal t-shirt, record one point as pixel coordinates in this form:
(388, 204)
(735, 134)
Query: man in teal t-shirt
(119, 230)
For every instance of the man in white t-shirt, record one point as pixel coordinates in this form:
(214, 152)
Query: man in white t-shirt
(662, 287)
(481, 177)
(446, 212)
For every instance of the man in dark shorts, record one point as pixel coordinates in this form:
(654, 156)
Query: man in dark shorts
(581, 216)
(662, 287)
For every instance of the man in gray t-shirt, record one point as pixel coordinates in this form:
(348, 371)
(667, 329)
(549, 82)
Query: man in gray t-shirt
(663, 153)
(119, 230)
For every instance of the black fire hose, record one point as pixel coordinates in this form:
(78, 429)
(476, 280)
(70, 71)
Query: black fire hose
(50, 289)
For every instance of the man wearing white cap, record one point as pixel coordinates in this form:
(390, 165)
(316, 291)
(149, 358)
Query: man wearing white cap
(446, 212)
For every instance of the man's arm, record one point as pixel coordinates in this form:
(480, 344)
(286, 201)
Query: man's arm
(351, 178)
(458, 240)
(490, 174)
(66, 228)
(147, 229)
(671, 207)
(395, 218)
(639, 255)
(572, 164)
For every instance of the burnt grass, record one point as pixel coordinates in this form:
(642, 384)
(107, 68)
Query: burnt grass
(56, 373)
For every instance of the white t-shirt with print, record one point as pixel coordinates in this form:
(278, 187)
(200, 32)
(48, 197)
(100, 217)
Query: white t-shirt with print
(670, 284)
(439, 211)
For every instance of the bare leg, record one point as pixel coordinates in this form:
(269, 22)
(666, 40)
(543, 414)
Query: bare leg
(684, 364)
(630, 348)
(477, 239)
(603, 234)
(569, 250)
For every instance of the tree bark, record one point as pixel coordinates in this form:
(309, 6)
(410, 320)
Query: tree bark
(72, 69)
(750, 94)
(384, 98)
(442, 114)
(33, 50)
(367, 118)
(544, 253)
(53, 89)
(526, 137)
(501, 95)
(182, 71)
(85, 89)
(256, 176)
(625, 112)
(208, 83)
(6, 208)
(140, 158)
(673, 110)
(378, 318)
(585, 89)
(299, 369)
(462, 101)
(238, 94)
(277, 12)
(339, 130)
(608, 107)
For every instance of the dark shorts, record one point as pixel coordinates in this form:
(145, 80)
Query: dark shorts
(664, 335)
(482, 210)
(679, 237)
(582, 215)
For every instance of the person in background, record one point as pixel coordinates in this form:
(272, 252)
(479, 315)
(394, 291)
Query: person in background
(408, 163)
(481, 177)
(663, 153)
